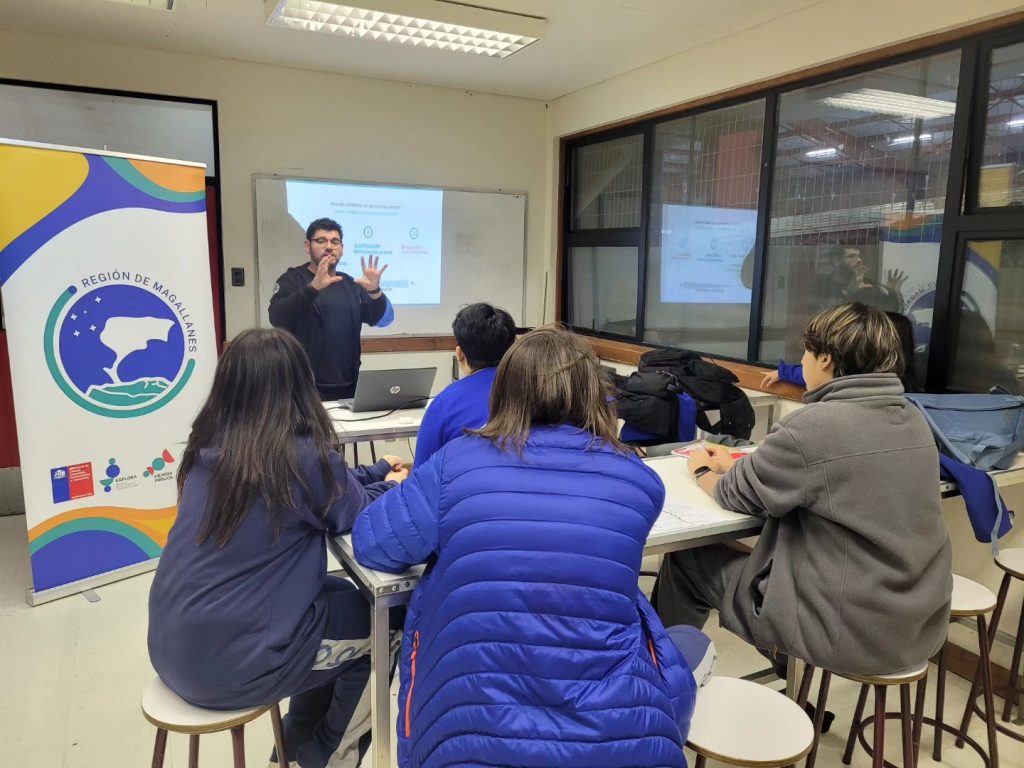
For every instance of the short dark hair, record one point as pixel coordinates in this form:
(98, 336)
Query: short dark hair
(484, 333)
(836, 252)
(860, 339)
(326, 225)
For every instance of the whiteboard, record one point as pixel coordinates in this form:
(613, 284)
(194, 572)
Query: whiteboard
(483, 254)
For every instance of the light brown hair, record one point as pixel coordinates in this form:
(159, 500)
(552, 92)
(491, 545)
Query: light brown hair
(549, 376)
(859, 338)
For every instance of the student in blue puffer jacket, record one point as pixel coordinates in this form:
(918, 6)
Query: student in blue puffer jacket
(527, 642)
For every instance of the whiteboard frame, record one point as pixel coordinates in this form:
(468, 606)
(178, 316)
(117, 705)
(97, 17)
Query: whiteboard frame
(256, 177)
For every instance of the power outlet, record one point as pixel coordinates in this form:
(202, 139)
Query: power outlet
(237, 277)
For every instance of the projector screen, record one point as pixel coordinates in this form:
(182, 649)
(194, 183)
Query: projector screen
(702, 254)
(443, 248)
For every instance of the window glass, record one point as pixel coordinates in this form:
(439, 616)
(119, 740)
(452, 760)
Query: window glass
(602, 294)
(606, 184)
(1001, 180)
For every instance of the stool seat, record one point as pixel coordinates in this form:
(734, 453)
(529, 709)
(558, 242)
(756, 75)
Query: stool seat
(911, 675)
(744, 723)
(1012, 561)
(971, 598)
(166, 709)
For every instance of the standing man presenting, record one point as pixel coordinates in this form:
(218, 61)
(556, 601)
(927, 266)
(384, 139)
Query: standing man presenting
(325, 309)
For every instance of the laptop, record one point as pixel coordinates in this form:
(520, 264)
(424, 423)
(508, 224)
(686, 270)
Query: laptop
(391, 390)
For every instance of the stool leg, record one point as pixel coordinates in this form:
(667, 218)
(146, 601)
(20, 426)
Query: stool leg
(355, 454)
(373, 452)
(238, 745)
(990, 704)
(922, 686)
(700, 762)
(275, 721)
(805, 686)
(819, 715)
(1004, 587)
(1013, 694)
(878, 760)
(193, 751)
(159, 747)
(855, 726)
(906, 726)
(940, 703)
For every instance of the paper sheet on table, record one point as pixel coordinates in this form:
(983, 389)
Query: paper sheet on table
(676, 515)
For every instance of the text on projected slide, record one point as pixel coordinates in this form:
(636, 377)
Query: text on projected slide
(702, 254)
(402, 225)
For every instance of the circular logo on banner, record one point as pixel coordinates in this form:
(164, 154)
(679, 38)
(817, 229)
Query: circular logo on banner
(117, 350)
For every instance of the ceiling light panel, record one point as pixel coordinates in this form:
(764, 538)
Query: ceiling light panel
(879, 102)
(421, 23)
(159, 5)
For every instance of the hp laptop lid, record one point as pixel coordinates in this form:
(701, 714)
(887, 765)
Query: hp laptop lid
(391, 389)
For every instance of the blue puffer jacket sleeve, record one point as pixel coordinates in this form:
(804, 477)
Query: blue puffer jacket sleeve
(399, 529)
(792, 374)
(679, 682)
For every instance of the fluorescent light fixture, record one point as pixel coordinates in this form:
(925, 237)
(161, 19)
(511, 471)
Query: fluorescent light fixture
(909, 139)
(820, 153)
(1017, 122)
(159, 5)
(881, 102)
(438, 24)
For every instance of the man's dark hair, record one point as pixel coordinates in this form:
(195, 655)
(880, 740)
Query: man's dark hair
(327, 225)
(836, 252)
(484, 333)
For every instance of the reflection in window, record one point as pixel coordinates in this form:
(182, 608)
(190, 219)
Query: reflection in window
(607, 184)
(989, 348)
(602, 291)
(1001, 180)
(858, 194)
(703, 224)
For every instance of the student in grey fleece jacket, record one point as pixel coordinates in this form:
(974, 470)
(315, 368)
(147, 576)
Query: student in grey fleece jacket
(853, 569)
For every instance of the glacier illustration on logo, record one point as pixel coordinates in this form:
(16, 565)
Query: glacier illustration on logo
(118, 350)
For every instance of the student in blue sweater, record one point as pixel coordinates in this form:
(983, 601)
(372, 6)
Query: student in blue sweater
(482, 336)
(242, 611)
(528, 642)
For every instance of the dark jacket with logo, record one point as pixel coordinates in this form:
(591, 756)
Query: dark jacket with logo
(326, 322)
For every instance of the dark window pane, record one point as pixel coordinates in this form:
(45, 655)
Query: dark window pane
(1002, 163)
(603, 289)
(989, 348)
(606, 184)
(703, 223)
(858, 196)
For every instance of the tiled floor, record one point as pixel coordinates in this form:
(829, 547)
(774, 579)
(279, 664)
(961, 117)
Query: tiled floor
(72, 672)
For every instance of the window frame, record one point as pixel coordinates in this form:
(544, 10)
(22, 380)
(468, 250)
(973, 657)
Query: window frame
(961, 221)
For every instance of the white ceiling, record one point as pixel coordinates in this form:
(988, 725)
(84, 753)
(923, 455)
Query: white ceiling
(586, 41)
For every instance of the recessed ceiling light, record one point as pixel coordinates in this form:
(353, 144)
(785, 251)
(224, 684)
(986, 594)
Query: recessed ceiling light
(1017, 122)
(159, 5)
(909, 139)
(881, 102)
(437, 24)
(826, 152)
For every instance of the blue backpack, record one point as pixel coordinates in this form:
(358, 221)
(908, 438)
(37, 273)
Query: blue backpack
(983, 431)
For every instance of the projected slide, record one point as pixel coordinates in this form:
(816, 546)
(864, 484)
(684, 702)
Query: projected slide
(402, 225)
(702, 254)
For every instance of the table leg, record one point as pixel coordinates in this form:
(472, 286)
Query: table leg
(380, 686)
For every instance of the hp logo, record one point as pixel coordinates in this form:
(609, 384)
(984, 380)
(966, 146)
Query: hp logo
(395, 390)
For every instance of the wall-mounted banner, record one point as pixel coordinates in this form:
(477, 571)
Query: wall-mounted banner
(104, 267)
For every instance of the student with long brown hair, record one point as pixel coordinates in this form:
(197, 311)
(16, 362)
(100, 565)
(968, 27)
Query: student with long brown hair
(242, 611)
(528, 641)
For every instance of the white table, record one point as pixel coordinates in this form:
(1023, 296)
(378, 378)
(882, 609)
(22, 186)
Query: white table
(374, 425)
(692, 520)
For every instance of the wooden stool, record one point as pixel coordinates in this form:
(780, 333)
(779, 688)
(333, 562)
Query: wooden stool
(970, 599)
(169, 712)
(911, 730)
(743, 723)
(1011, 561)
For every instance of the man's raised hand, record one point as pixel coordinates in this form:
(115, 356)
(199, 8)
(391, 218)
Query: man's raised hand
(372, 272)
(324, 275)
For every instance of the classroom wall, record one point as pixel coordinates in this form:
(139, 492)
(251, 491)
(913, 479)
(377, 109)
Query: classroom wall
(302, 123)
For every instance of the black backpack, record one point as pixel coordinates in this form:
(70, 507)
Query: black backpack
(648, 402)
(711, 386)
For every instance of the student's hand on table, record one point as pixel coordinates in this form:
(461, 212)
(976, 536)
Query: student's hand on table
(770, 378)
(719, 458)
(699, 458)
(394, 461)
(398, 476)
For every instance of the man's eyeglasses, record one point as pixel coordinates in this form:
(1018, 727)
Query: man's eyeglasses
(324, 241)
